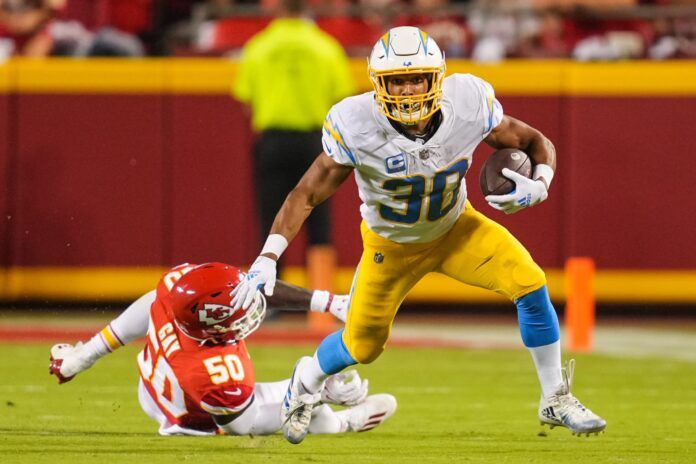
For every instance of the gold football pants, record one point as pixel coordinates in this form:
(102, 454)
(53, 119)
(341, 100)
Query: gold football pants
(476, 251)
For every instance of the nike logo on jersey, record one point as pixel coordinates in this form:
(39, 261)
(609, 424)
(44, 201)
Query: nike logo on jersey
(235, 392)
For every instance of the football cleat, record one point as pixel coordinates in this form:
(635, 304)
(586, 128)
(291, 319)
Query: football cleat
(345, 389)
(296, 410)
(565, 410)
(67, 361)
(368, 414)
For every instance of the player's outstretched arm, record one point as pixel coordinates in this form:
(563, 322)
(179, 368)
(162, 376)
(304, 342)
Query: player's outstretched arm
(320, 181)
(69, 360)
(513, 133)
(289, 297)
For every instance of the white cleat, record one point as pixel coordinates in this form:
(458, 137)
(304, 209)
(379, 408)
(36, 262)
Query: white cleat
(67, 361)
(368, 414)
(345, 389)
(565, 410)
(296, 410)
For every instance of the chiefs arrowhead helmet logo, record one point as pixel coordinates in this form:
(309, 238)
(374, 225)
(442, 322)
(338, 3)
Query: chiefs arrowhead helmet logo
(213, 314)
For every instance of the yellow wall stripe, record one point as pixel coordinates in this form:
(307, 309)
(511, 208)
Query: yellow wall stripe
(216, 75)
(78, 283)
(125, 283)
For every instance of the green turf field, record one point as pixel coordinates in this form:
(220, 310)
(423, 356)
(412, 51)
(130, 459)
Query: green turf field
(454, 406)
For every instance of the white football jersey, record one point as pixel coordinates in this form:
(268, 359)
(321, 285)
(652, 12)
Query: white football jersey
(412, 191)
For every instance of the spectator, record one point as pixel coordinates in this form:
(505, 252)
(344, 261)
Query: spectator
(495, 30)
(24, 27)
(290, 74)
(549, 39)
(447, 29)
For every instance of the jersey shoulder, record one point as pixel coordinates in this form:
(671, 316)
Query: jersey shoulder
(170, 277)
(355, 113)
(473, 101)
(467, 93)
(351, 128)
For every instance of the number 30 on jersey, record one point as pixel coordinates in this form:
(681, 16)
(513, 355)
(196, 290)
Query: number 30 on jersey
(440, 193)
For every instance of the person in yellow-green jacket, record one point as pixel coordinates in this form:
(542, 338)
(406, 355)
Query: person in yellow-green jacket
(290, 74)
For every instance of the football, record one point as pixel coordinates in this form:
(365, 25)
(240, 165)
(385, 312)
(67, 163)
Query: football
(491, 178)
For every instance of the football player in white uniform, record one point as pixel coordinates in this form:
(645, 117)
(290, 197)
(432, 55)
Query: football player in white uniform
(410, 143)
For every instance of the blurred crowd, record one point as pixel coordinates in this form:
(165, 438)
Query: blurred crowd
(483, 30)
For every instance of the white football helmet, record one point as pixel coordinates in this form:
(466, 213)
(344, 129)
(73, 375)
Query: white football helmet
(407, 50)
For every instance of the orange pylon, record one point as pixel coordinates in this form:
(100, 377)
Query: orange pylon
(321, 269)
(580, 303)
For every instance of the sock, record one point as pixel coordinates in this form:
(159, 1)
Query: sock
(547, 360)
(537, 319)
(312, 376)
(331, 357)
(130, 325)
(541, 335)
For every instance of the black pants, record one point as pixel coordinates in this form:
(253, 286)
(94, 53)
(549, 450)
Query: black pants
(280, 159)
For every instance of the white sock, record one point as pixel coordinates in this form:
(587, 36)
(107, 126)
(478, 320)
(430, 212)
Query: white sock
(547, 360)
(325, 420)
(312, 376)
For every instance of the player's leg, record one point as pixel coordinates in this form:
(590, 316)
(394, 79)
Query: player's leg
(387, 271)
(480, 252)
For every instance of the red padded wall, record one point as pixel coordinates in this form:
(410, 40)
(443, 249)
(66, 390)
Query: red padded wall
(89, 180)
(210, 192)
(632, 181)
(153, 180)
(538, 229)
(6, 178)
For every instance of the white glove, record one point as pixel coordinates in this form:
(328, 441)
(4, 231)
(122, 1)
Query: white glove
(261, 274)
(339, 307)
(67, 361)
(528, 192)
(345, 389)
(323, 301)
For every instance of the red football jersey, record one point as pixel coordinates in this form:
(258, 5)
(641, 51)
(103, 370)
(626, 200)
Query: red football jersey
(189, 381)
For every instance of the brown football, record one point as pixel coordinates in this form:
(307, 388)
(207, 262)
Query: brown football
(492, 180)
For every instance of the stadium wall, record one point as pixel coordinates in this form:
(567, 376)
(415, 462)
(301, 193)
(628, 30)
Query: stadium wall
(114, 169)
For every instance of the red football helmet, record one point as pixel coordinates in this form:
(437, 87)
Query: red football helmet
(199, 303)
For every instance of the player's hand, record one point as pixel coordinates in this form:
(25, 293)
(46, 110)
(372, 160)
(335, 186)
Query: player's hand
(326, 302)
(345, 389)
(67, 361)
(338, 306)
(261, 274)
(528, 192)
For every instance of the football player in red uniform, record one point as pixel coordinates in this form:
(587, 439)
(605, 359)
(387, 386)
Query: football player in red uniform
(196, 375)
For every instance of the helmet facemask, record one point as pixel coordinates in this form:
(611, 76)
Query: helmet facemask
(408, 109)
(241, 328)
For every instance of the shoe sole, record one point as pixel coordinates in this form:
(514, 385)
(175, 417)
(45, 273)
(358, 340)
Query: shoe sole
(596, 431)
